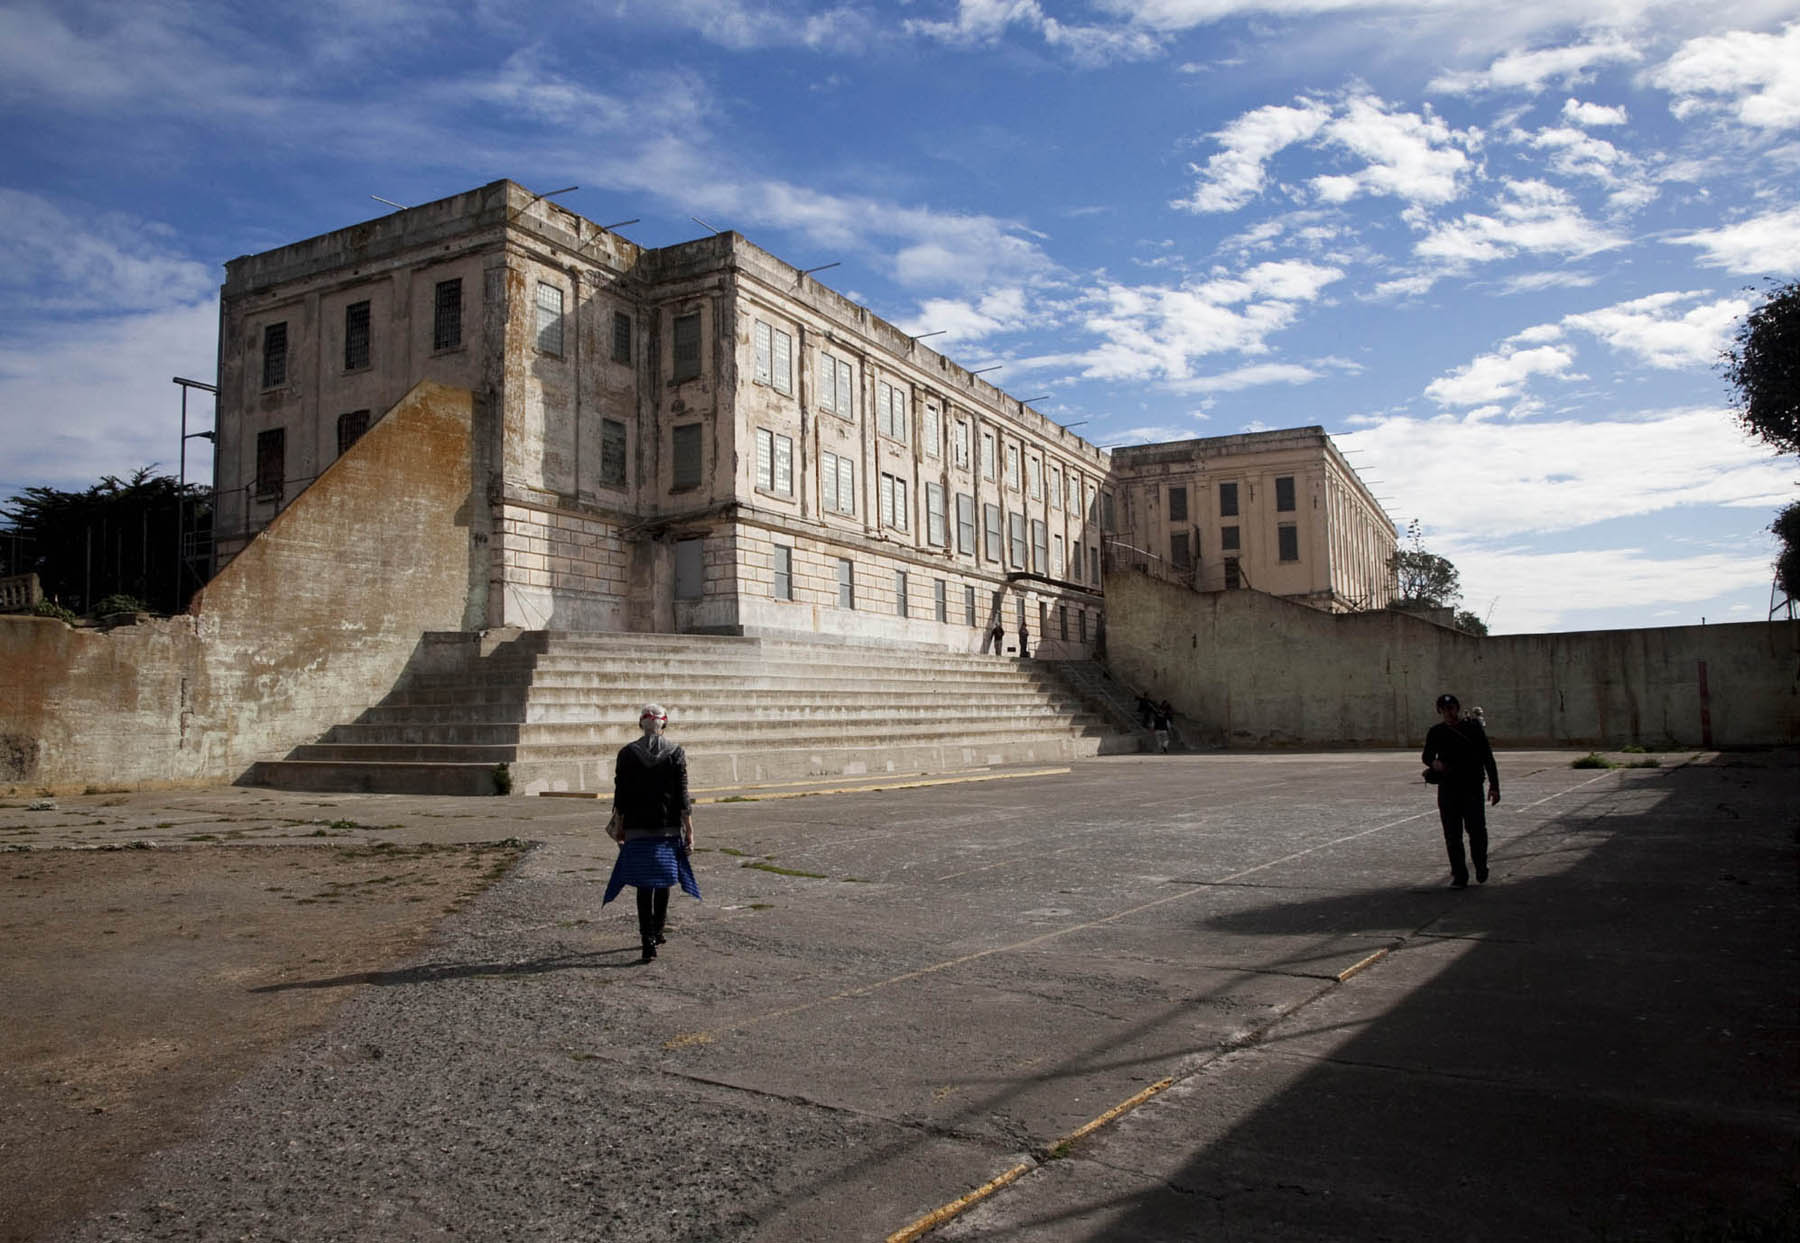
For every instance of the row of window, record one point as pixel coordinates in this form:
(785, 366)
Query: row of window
(359, 351)
(1228, 499)
(837, 395)
(837, 494)
(783, 589)
(1287, 544)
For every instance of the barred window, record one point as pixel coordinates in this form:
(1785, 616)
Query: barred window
(837, 483)
(549, 319)
(1228, 539)
(990, 521)
(1056, 558)
(940, 599)
(356, 336)
(1040, 545)
(890, 411)
(687, 346)
(1177, 504)
(1015, 544)
(932, 426)
(1034, 475)
(774, 462)
(969, 606)
(1012, 467)
(837, 386)
(988, 465)
(612, 453)
(275, 350)
(621, 345)
(959, 445)
(446, 315)
(965, 524)
(1056, 487)
(846, 576)
(350, 428)
(900, 593)
(687, 456)
(1178, 551)
(893, 502)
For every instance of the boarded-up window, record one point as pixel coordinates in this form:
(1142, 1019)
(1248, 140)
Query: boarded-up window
(687, 346)
(1228, 539)
(690, 569)
(356, 336)
(1284, 494)
(446, 315)
(687, 456)
(271, 463)
(350, 428)
(612, 453)
(1287, 539)
(1177, 504)
(1233, 576)
(1178, 550)
(274, 358)
(1228, 500)
(549, 319)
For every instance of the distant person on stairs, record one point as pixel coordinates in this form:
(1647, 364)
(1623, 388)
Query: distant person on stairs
(653, 823)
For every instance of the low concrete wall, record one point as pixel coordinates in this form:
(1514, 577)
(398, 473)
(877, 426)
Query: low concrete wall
(1253, 670)
(306, 627)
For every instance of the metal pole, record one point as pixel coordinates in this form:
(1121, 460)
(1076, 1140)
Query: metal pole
(180, 516)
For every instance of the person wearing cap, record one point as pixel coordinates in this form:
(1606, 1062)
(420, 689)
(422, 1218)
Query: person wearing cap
(653, 823)
(1460, 755)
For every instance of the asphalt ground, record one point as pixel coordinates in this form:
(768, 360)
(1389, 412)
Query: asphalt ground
(890, 1001)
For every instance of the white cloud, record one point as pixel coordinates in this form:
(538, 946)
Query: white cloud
(1532, 71)
(53, 261)
(1555, 475)
(1500, 376)
(1653, 330)
(1766, 244)
(1581, 112)
(1253, 376)
(76, 406)
(1556, 278)
(1755, 77)
(1576, 153)
(1235, 175)
(979, 23)
(1411, 155)
(1003, 310)
(1534, 217)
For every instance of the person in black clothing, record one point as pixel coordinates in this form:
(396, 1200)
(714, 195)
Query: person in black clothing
(653, 823)
(1458, 752)
(1163, 719)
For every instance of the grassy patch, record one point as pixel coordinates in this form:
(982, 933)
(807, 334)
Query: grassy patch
(779, 871)
(762, 906)
(687, 1040)
(734, 798)
(735, 854)
(1593, 759)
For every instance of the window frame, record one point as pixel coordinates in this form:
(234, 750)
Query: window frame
(623, 438)
(691, 433)
(781, 571)
(1285, 502)
(1177, 502)
(686, 358)
(1287, 541)
(275, 355)
(359, 345)
(621, 338)
(550, 320)
(446, 315)
(993, 530)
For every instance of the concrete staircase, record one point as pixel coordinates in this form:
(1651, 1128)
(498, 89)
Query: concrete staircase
(555, 707)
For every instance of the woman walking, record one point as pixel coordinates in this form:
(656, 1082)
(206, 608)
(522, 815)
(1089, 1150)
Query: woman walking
(652, 820)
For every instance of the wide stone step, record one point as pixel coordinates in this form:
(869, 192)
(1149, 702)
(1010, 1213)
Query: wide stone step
(750, 703)
(582, 719)
(621, 673)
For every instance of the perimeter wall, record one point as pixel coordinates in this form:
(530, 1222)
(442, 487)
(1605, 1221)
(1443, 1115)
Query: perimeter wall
(307, 627)
(1249, 669)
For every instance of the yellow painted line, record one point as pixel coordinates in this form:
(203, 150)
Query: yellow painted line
(939, 1216)
(1370, 961)
(1123, 1107)
(766, 792)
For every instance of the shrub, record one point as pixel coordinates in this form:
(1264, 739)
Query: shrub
(1593, 759)
(50, 608)
(502, 779)
(119, 603)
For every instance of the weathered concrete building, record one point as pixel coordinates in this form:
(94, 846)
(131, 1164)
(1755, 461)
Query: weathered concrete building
(1279, 511)
(698, 438)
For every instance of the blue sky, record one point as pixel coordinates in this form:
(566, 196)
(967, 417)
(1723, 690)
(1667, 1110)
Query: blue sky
(1495, 250)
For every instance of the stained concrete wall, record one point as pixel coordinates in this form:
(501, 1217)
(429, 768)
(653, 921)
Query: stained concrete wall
(310, 624)
(1253, 670)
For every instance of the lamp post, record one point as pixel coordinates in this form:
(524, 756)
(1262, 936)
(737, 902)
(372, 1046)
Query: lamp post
(181, 491)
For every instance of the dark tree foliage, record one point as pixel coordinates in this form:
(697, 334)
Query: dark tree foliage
(1764, 367)
(118, 538)
(1467, 621)
(1422, 580)
(1787, 562)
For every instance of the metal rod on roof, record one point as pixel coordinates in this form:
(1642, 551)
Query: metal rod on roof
(940, 332)
(1023, 401)
(1076, 423)
(979, 370)
(703, 224)
(546, 194)
(610, 227)
(389, 202)
(820, 268)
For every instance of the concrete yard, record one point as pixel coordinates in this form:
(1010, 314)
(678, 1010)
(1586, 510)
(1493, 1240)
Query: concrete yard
(892, 999)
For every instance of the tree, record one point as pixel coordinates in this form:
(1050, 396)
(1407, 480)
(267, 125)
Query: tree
(1468, 622)
(1787, 562)
(118, 538)
(1422, 580)
(1764, 367)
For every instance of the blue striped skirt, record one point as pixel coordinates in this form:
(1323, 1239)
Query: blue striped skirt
(652, 863)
